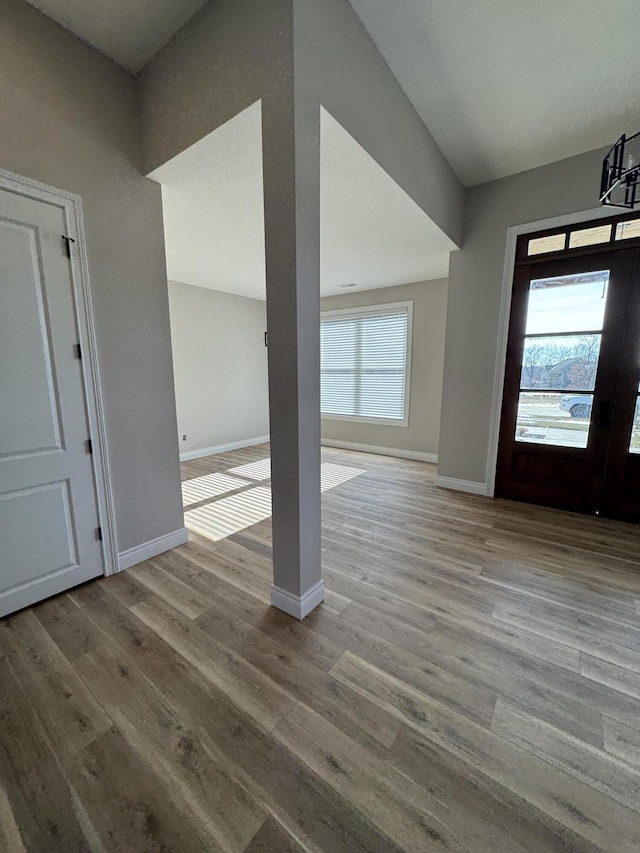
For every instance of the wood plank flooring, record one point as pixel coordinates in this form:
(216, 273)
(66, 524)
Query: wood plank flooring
(472, 682)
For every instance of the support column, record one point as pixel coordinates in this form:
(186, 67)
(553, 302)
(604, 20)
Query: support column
(291, 160)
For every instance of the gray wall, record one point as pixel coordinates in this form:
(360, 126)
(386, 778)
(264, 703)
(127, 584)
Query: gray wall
(69, 119)
(305, 54)
(475, 285)
(427, 362)
(234, 52)
(226, 58)
(338, 66)
(220, 366)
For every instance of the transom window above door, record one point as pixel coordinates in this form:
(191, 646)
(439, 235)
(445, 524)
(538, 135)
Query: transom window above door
(572, 238)
(365, 363)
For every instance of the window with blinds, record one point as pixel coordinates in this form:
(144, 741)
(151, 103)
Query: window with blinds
(364, 365)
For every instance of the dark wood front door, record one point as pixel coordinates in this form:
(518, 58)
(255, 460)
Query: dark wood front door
(570, 428)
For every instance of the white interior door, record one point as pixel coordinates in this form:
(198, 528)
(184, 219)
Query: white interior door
(49, 539)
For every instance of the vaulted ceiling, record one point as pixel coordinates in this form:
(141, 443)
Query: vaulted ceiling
(503, 85)
(131, 32)
(508, 85)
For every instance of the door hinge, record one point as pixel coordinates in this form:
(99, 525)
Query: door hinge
(77, 350)
(67, 244)
(98, 534)
(89, 445)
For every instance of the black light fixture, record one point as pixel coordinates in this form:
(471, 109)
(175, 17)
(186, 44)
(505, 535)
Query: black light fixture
(621, 173)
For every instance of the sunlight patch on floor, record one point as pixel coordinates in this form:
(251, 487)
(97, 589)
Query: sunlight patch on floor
(209, 486)
(260, 470)
(333, 475)
(229, 515)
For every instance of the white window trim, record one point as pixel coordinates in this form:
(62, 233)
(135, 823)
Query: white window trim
(369, 310)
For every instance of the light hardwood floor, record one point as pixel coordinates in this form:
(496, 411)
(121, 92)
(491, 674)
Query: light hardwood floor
(472, 682)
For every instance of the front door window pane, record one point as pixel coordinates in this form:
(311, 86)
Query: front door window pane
(560, 363)
(571, 303)
(558, 372)
(560, 419)
(634, 446)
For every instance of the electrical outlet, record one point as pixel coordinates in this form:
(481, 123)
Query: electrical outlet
(184, 437)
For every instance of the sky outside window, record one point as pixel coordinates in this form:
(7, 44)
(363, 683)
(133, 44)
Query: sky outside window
(562, 305)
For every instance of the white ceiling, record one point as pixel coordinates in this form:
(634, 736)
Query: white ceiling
(131, 32)
(503, 85)
(372, 233)
(508, 85)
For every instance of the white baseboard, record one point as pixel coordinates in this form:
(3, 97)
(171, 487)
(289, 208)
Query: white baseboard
(222, 448)
(461, 485)
(296, 605)
(143, 552)
(418, 455)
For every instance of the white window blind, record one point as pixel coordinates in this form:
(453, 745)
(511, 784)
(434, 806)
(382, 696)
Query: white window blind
(364, 363)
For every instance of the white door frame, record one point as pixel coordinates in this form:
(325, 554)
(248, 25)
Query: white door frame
(505, 310)
(72, 207)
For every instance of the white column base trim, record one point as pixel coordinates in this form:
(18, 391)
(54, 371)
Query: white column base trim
(222, 448)
(461, 485)
(296, 605)
(143, 552)
(418, 455)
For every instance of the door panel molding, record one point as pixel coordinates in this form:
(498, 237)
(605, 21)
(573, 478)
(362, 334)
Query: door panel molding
(513, 232)
(58, 496)
(37, 297)
(71, 205)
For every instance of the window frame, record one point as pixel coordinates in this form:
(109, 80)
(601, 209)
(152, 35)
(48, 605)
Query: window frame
(614, 242)
(372, 311)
